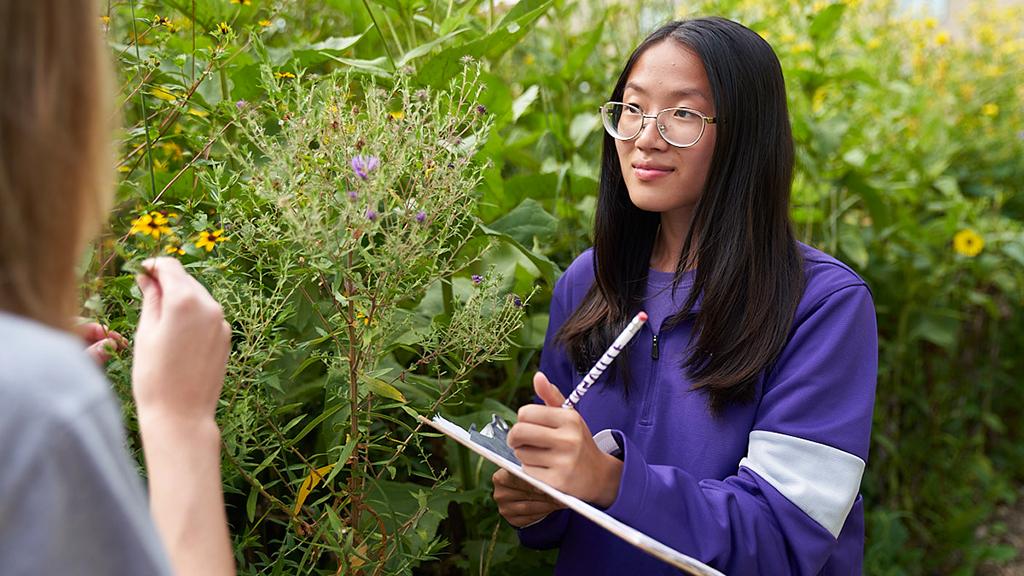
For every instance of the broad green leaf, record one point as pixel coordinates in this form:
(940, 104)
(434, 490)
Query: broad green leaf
(382, 388)
(825, 24)
(523, 102)
(525, 222)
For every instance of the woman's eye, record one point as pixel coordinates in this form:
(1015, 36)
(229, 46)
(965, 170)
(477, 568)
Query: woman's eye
(683, 114)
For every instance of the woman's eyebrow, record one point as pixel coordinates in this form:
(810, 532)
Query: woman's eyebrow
(679, 93)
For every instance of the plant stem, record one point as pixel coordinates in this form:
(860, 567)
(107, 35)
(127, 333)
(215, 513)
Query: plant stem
(380, 31)
(142, 101)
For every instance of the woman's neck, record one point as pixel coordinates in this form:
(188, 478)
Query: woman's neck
(668, 245)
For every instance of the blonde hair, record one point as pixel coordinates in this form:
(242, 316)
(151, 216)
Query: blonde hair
(55, 151)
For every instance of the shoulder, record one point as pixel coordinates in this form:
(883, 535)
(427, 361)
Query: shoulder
(47, 375)
(824, 277)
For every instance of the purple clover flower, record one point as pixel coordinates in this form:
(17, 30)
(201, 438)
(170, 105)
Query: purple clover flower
(352, 195)
(477, 279)
(364, 165)
(421, 216)
(371, 214)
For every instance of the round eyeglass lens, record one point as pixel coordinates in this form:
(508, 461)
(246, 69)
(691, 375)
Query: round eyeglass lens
(621, 120)
(680, 126)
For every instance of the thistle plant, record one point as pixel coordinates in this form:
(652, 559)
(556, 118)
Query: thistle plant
(352, 233)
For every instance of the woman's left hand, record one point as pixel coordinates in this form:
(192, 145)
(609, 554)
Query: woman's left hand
(100, 341)
(555, 445)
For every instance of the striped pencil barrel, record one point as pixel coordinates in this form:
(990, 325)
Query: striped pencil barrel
(606, 360)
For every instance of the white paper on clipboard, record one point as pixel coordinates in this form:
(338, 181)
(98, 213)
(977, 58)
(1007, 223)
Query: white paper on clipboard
(631, 535)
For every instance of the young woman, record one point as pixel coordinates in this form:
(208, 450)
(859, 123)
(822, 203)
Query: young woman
(735, 427)
(70, 497)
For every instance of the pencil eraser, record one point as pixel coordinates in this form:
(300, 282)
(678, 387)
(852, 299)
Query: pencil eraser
(643, 316)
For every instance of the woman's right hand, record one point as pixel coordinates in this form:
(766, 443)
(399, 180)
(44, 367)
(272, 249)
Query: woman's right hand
(519, 502)
(181, 347)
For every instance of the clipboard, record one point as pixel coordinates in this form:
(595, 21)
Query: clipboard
(627, 533)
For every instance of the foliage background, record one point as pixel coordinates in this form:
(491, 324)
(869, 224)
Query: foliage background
(907, 134)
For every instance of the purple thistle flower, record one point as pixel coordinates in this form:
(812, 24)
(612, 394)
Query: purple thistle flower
(481, 109)
(352, 195)
(516, 301)
(477, 279)
(241, 104)
(363, 165)
(421, 216)
(371, 214)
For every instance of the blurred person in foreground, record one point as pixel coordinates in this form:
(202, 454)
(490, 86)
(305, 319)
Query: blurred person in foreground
(71, 501)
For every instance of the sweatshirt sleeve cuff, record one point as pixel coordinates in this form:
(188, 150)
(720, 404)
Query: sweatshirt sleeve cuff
(545, 533)
(629, 501)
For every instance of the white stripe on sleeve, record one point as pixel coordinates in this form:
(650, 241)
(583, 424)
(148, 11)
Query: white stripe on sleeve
(820, 480)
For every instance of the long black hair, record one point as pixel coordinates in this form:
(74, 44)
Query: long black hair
(749, 274)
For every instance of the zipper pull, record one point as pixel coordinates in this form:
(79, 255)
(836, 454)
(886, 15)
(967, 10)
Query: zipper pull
(654, 348)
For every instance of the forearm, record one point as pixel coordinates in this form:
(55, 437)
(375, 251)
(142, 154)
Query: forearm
(186, 497)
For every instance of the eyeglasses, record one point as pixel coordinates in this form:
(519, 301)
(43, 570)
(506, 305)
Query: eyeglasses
(680, 127)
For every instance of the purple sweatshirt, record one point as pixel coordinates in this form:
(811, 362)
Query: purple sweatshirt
(769, 487)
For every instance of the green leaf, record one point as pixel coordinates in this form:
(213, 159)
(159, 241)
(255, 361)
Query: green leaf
(427, 47)
(825, 24)
(447, 63)
(314, 423)
(382, 388)
(574, 63)
(250, 503)
(527, 221)
(523, 102)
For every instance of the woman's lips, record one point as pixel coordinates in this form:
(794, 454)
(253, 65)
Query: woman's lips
(647, 172)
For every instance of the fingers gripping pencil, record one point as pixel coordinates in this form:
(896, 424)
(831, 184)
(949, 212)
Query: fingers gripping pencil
(606, 360)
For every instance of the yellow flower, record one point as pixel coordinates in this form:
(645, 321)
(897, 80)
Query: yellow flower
(284, 75)
(223, 29)
(930, 23)
(264, 23)
(991, 109)
(942, 38)
(174, 250)
(242, 2)
(874, 43)
(161, 21)
(209, 240)
(152, 224)
(397, 115)
(819, 5)
(105, 19)
(363, 317)
(968, 243)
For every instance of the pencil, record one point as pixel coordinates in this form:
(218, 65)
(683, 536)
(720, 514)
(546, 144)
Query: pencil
(606, 360)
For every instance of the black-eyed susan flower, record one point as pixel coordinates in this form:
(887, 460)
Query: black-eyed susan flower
(161, 21)
(223, 29)
(968, 243)
(396, 115)
(152, 224)
(360, 317)
(242, 2)
(284, 75)
(264, 23)
(174, 250)
(208, 240)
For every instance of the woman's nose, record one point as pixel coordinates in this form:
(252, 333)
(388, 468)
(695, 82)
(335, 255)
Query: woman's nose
(650, 137)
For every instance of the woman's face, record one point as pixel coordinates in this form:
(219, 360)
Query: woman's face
(661, 177)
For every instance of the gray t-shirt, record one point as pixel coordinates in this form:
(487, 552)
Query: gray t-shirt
(71, 500)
